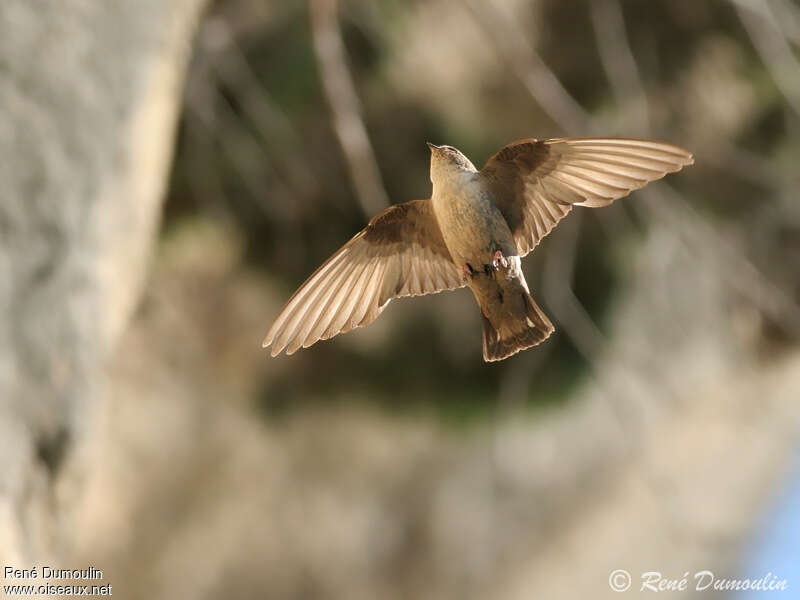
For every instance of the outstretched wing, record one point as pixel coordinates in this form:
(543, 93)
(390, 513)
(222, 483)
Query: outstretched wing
(400, 253)
(535, 183)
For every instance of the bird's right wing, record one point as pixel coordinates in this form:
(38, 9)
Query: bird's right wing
(400, 253)
(535, 183)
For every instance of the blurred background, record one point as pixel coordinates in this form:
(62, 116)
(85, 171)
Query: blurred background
(175, 170)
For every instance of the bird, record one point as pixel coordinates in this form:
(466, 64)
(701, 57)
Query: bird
(473, 232)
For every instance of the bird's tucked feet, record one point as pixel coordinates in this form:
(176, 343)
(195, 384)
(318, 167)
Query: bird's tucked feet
(466, 272)
(499, 260)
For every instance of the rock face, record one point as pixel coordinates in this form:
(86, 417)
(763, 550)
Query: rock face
(88, 98)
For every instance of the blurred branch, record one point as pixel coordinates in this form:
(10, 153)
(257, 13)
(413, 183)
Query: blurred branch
(622, 71)
(513, 47)
(515, 383)
(206, 182)
(771, 45)
(621, 68)
(586, 337)
(617, 59)
(244, 151)
(232, 68)
(625, 81)
(739, 162)
(340, 91)
(788, 19)
(579, 326)
(740, 272)
(557, 280)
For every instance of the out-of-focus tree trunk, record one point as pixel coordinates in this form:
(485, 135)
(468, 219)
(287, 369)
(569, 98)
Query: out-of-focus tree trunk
(88, 101)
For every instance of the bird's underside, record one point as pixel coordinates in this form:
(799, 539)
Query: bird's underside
(402, 251)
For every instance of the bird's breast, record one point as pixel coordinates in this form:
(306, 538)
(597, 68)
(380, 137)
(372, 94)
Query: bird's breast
(472, 226)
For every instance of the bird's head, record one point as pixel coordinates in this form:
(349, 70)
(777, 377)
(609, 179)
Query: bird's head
(446, 161)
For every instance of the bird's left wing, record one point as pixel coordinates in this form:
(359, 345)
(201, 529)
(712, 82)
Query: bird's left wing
(400, 253)
(535, 183)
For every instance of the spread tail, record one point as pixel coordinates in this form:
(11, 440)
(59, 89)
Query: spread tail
(516, 335)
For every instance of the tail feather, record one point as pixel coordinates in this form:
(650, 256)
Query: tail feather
(518, 335)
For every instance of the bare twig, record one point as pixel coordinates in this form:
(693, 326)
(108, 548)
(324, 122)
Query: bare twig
(787, 16)
(772, 47)
(345, 106)
(557, 282)
(740, 162)
(623, 75)
(617, 59)
(231, 67)
(245, 153)
(205, 183)
(738, 271)
(582, 331)
(542, 84)
(515, 383)
(784, 15)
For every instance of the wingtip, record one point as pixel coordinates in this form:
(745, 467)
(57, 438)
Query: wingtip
(688, 157)
(271, 342)
(688, 160)
(273, 352)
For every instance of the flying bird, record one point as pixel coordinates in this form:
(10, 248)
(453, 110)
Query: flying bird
(473, 231)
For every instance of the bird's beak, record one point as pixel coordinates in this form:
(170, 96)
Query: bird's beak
(432, 146)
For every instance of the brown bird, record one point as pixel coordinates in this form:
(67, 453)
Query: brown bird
(472, 231)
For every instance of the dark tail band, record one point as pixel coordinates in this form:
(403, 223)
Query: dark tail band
(513, 337)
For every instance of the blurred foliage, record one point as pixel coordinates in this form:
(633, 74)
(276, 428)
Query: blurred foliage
(257, 150)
